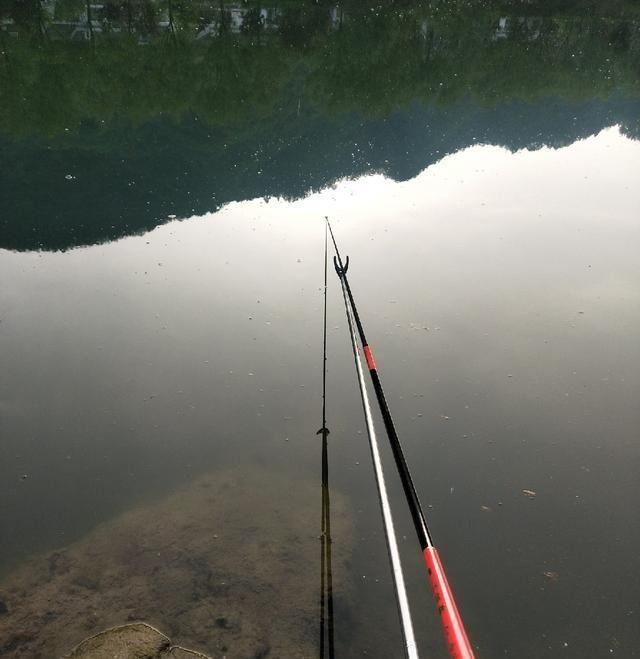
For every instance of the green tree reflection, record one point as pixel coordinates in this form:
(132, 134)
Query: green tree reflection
(176, 106)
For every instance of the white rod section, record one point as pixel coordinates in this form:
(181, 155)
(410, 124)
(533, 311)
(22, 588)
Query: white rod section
(392, 544)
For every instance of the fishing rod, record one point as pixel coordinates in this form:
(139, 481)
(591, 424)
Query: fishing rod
(454, 633)
(410, 646)
(326, 571)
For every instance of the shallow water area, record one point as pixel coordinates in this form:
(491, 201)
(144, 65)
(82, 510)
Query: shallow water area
(161, 330)
(204, 563)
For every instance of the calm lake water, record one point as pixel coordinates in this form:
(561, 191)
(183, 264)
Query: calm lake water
(164, 175)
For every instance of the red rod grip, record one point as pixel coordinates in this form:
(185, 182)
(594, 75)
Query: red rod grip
(454, 634)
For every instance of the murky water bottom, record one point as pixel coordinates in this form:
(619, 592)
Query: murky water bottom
(222, 565)
(500, 293)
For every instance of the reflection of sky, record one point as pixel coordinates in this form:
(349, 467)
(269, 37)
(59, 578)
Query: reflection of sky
(500, 292)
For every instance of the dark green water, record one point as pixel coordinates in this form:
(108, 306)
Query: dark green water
(162, 189)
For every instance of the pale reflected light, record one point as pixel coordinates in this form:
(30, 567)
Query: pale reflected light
(595, 176)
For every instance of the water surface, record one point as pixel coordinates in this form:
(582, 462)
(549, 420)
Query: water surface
(162, 234)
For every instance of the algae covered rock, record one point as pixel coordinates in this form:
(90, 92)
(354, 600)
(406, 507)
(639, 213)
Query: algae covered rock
(134, 641)
(228, 565)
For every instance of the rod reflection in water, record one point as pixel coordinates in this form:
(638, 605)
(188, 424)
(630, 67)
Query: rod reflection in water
(326, 576)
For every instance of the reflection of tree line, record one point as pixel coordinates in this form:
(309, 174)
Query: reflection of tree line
(68, 18)
(229, 61)
(78, 19)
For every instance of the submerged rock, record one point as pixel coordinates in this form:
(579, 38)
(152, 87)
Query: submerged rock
(134, 641)
(228, 565)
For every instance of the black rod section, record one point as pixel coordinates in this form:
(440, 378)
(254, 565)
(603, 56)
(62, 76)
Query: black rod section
(419, 521)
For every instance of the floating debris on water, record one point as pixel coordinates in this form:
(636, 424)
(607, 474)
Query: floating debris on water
(529, 493)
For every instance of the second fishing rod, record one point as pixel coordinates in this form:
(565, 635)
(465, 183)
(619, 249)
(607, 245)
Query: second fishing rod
(454, 633)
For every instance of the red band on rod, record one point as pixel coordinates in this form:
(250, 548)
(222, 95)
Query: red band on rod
(454, 634)
(369, 357)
